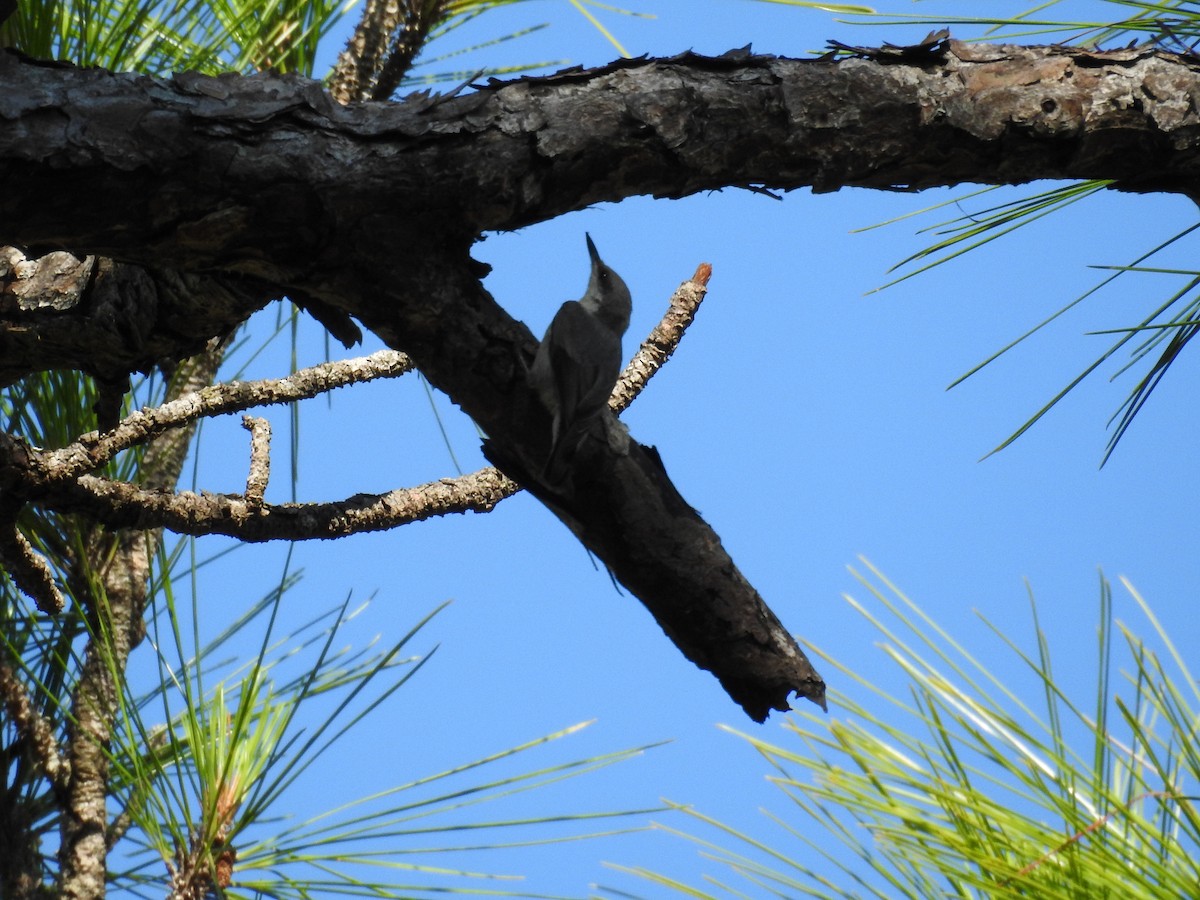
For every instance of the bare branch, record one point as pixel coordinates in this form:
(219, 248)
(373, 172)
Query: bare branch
(29, 570)
(23, 714)
(94, 449)
(124, 505)
(260, 459)
(108, 318)
(657, 348)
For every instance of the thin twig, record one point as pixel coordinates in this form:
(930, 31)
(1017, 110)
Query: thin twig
(94, 449)
(1090, 828)
(260, 459)
(658, 346)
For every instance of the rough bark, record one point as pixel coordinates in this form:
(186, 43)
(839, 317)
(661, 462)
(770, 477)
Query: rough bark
(371, 209)
(110, 319)
(266, 175)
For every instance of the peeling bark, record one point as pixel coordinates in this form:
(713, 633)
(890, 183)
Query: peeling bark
(110, 319)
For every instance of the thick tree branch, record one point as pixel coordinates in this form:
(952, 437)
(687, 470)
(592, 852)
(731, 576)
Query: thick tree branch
(266, 176)
(109, 319)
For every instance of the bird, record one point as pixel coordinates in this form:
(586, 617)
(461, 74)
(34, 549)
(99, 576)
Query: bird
(579, 358)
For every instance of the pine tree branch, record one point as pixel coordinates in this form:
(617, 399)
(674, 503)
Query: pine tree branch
(232, 176)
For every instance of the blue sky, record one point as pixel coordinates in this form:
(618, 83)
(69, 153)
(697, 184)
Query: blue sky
(805, 416)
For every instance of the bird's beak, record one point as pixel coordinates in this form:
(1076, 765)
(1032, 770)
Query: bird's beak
(592, 248)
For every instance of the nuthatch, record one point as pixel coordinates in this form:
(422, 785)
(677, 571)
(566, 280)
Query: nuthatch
(580, 357)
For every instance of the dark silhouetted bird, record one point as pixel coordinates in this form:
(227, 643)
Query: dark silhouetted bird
(580, 357)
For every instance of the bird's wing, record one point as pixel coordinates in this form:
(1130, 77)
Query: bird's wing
(581, 358)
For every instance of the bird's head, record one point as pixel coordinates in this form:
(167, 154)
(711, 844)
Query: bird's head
(607, 297)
